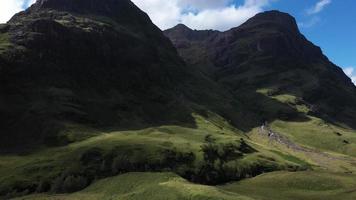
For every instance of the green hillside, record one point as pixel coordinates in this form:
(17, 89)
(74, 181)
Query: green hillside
(208, 154)
(279, 185)
(299, 185)
(137, 186)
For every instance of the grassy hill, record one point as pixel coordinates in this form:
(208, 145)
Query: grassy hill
(276, 185)
(299, 185)
(183, 151)
(209, 154)
(137, 186)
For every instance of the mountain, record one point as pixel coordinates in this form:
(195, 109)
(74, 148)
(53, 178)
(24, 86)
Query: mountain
(268, 53)
(97, 103)
(97, 63)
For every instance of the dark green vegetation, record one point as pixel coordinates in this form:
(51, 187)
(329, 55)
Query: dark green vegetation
(276, 186)
(96, 103)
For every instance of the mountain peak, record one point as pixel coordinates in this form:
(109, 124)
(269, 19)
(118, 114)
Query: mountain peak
(273, 18)
(121, 11)
(101, 7)
(182, 27)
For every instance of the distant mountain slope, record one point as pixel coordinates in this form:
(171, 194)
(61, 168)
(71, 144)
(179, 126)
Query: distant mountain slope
(269, 54)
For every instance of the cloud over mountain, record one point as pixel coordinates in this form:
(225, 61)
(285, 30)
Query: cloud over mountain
(9, 7)
(318, 7)
(350, 71)
(200, 14)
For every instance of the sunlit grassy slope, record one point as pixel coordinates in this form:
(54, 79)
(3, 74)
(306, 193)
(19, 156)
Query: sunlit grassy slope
(164, 162)
(276, 185)
(297, 186)
(138, 186)
(166, 148)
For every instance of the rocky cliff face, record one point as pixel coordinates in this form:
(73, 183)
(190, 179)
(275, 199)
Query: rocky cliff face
(269, 53)
(101, 63)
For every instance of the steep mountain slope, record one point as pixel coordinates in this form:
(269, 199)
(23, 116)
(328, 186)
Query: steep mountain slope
(101, 63)
(268, 55)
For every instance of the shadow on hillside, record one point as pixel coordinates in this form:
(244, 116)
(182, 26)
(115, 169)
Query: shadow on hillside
(43, 120)
(35, 129)
(251, 110)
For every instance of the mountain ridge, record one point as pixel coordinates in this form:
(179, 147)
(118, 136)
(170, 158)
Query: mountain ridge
(270, 45)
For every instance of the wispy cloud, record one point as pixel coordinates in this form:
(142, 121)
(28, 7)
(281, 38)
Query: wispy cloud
(201, 14)
(310, 23)
(9, 7)
(318, 7)
(350, 71)
(311, 14)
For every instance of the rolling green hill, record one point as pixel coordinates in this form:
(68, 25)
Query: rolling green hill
(280, 185)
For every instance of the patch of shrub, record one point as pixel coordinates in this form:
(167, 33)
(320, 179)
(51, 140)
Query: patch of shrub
(43, 186)
(68, 184)
(74, 183)
(221, 163)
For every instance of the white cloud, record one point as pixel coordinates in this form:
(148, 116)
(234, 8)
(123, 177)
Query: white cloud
(310, 23)
(203, 4)
(197, 14)
(29, 2)
(318, 7)
(313, 20)
(200, 14)
(164, 13)
(10, 7)
(350, 71)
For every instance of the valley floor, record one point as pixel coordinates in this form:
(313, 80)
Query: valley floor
(167, 186)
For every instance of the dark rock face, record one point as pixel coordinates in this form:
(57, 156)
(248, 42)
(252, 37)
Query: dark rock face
(103, 64)
(122, 11)
(98, 63)
(268, 51)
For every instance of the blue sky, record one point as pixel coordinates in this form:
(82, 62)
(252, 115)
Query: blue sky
(330, 24)
(333, 28)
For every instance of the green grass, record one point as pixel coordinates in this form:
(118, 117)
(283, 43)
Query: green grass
(297, 186)
(4, 42)
(292, 159)
(144, 150)
(318, 134)
(313, 132)
(147, 147)
(138, 186)
(22, 174)
(310, 185)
